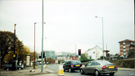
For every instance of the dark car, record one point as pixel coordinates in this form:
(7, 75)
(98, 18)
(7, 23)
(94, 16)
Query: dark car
(99, 67)
(72, 65)
(7, 66)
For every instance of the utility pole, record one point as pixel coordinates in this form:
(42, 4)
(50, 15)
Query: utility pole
(14, 56)
(42, 33)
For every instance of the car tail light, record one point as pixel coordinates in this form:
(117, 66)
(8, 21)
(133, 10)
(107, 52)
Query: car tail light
(104, 67)
(115, 66)
(81, 65)
(72, 66)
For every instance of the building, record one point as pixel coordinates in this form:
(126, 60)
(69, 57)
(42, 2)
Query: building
(64, 55)
(125, 47)
(94, 53)
(50, 54)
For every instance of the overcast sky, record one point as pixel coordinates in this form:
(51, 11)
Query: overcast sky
(69, 22)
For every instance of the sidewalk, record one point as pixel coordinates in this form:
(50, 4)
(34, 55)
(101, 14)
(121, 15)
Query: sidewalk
(26, 72)
(126, 69)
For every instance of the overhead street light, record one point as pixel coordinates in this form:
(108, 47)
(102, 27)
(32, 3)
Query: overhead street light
(102, 34)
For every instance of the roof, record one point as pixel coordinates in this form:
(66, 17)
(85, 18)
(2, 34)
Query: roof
(126, 40)
(94, 48)
(106, 50)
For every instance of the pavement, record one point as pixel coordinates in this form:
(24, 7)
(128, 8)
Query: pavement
(126, 69)
(26, 72)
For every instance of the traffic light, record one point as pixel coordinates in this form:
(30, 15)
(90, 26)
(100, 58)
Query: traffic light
(43, 54)
(79, 51)
(15, 56)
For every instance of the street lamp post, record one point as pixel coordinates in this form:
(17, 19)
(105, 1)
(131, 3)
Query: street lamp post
(102, 35)
(42, 33)
(34, 44)
(34, 41)
(14, 56)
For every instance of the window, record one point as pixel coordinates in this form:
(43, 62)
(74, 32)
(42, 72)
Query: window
(124, 49)
(105, 62)
(97, 63)
(93, 63)
(76, 62)
(124, 46)
(89, 64)
(123, 43)
(68, 63)
(132, 42)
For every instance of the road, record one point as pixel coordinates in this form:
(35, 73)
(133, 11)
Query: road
(55, 68)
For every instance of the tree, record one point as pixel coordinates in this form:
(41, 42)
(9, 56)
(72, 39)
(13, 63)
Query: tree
(130, 54)
(7, 47)
(32, 55)
(6, 43)
(101, 57)
(50, 60)
(21, 52)
(84, 58)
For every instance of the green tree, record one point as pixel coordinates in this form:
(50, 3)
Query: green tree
(50, 60)
(84, 58)
(130, 54)
(6, 43)
(32, 55)
(101, 57)
(7, 47)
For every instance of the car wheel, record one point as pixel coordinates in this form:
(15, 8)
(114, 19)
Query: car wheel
(82, 72)
(64, 70)
(111, 74)
(70, 70)
(97, 73)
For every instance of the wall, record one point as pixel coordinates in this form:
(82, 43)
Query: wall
(124, 63)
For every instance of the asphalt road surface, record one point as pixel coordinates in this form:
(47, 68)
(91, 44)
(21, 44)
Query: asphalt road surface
(55, 67)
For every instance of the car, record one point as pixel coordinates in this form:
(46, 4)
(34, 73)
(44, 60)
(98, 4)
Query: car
(72, 65)
(7, 66)
(99, 67)
(19, 67)
(36, 63)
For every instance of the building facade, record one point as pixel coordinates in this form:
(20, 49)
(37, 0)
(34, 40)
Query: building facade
(50, 54)
(64, 55)
(124, 47)
(94, 53)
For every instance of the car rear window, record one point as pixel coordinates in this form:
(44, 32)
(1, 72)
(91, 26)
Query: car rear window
(76, 62)
(105, 62)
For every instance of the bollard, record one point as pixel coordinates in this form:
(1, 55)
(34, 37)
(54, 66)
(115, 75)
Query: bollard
(45, 66)
(60, 73)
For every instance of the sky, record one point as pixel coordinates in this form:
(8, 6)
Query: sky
(69, 23)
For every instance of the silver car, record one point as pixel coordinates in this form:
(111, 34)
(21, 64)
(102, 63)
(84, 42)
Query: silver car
(99, 67)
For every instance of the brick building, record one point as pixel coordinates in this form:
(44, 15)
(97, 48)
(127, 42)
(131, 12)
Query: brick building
(124, 47)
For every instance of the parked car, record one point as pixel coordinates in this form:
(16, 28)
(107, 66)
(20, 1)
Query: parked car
(99, 67)
(72, 65)
(19, 66)
(7, 66)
